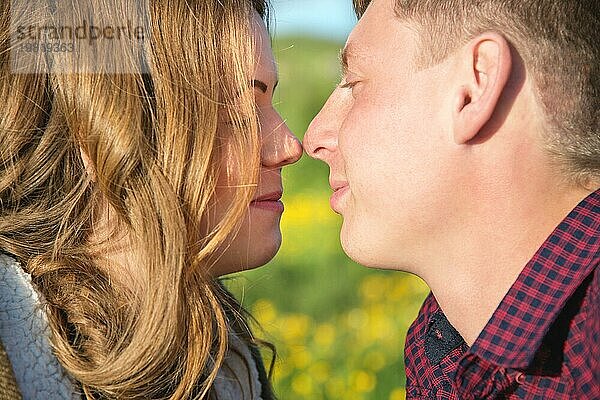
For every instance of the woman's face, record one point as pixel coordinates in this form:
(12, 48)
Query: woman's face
(259, 238)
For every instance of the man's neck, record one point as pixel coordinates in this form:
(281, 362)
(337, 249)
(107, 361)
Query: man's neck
(470, 279)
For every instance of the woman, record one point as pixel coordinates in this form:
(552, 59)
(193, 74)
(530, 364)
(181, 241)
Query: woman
(125, 196)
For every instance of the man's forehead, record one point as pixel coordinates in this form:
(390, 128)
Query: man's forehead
(355, 52)
(376, 33)
(358, 47)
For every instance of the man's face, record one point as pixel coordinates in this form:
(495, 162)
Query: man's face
(387, 143)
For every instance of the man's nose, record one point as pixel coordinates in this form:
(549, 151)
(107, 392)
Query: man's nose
(280, 147)
(321, 138)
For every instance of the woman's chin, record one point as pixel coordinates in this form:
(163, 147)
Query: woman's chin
(252, 255)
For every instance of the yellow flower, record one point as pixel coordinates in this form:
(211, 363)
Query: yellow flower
(357, 319)
(320, 371)
(375, 360)
(363, 381)
(380, 325)
(302, 384)
(305, 210)
(324, 335)
(295, 327)
(335, 388)
(281, 369)
(398, 394)
(300, 357)
(400, 289)
(374, 288)
(264, 311)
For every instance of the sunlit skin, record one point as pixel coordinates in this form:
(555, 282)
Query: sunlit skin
(259, 238)
(439, 171)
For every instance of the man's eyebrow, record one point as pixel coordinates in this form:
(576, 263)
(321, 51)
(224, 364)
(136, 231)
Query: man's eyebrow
(344, 60)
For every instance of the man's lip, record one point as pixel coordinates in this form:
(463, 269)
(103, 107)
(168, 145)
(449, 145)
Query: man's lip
(335, 201)
(273, 196)
(337, 185)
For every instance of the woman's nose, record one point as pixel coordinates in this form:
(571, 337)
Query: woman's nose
(280, 147)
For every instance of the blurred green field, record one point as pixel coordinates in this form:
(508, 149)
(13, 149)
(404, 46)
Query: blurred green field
(339, 328)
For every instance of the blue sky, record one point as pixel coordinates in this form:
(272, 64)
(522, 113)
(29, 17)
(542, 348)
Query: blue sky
(332, 19)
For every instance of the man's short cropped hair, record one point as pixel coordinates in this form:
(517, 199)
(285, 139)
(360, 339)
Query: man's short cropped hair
(559, 42)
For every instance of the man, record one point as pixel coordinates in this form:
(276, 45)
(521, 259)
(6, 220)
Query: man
(463, 147)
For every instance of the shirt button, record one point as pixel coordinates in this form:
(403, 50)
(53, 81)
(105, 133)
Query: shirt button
(520, 378)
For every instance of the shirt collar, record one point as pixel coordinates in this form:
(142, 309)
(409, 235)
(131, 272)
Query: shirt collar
(519, 324)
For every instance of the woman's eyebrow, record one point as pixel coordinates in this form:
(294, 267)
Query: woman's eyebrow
(260, 85)
(263, 87)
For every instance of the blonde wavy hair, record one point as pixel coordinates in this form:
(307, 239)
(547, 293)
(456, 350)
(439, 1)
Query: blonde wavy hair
(155, 147)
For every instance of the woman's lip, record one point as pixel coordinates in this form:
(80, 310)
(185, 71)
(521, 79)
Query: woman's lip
(271, 205)
(274, 196)
(269, 201)
(336, 198)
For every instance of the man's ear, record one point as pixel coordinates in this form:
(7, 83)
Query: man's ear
(484, 68)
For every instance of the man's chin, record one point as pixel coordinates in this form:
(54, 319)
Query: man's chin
(352, 247)
(361, 251)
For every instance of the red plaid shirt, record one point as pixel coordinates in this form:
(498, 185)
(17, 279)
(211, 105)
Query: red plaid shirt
(543, 340)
